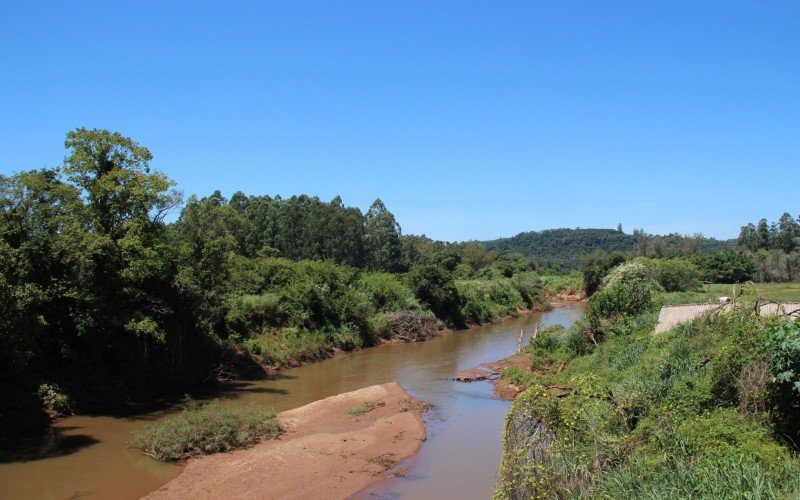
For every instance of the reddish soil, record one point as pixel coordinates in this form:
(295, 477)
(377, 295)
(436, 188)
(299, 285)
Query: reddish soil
(567, 297)
(325, 452)
(504, 388)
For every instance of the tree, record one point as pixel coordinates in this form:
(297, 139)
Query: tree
(763, 236)
(788, 233)
(114, 172)
(382, 239)
(434, 286)
(476, 256)
(205, 235)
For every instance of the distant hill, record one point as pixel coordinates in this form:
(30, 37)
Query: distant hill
(565, 247)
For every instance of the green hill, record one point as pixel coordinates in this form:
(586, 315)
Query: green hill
(565, 247)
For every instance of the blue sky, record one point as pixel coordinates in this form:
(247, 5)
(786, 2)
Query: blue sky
(471, 120)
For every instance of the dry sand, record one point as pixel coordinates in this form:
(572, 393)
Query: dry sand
(323, 453)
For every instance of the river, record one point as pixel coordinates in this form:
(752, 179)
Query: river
(86, 456)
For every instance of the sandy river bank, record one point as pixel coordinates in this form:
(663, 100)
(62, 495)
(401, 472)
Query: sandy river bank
(329, 450)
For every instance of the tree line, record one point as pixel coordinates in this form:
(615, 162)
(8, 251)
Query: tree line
(774, 248)
(564, 249)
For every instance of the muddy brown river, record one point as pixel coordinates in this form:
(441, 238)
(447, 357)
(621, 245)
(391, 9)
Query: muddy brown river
(86, 456)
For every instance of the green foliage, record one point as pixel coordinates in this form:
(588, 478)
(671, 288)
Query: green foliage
(485, 300)
(434, 286)
(563, 248)
(674, 245)
(555, 284)
(205, 429)
(361, 409)
(628, 291)
(782, 235)
(690, 413)
(726, 267)
(55, 402)
(783, 350)
(677, 275)
(382, 239)
(529, 287)
(596, 266)
(292, 346)
(388, 293)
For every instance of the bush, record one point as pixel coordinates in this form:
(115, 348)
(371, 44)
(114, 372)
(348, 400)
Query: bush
(407, 326)
(577, 340)
(678, 275)
(387, 292)
(205, 429)
(555, 284)
(291, 346)
(682, 414)
(726, 267)
(251, 313)
(485, 300)
(783, 350)
(628, 291)
(434, 286)
(529, 286)
(54, 401)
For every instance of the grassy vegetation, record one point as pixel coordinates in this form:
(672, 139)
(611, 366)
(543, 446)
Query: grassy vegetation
(707, 410)
(204, 429)
(783, 292)
(555, 284)
(361, 409)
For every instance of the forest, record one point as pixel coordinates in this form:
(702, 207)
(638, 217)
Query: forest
(565, 248)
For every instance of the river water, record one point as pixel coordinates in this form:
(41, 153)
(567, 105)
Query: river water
(86, 456)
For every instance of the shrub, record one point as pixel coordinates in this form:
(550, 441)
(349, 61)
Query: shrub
(555, 284)
(783, 349)
(548, 339)
(577, 340)
(54, 401)
(628, 291)
(434, 286)
(387, 292)
(529, 287)
(407, 326)
(678, 275)
(726, 267)
(251, 313)
(361, 409)
(204, 429)
(484, 300)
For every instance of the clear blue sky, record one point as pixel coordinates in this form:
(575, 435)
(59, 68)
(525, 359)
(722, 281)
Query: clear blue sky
(471, 120)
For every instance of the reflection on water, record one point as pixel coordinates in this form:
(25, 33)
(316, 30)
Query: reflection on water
(87, 455)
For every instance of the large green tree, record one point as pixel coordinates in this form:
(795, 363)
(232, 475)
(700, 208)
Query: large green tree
(382, 239)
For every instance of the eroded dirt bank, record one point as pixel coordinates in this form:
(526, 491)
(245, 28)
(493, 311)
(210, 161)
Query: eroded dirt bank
(332, 448)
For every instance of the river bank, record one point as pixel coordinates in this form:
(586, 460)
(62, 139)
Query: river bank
(330, 448)
(87, 455)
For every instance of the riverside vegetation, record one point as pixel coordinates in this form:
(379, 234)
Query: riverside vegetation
(707, 410)
(201, 429)
(105, 303)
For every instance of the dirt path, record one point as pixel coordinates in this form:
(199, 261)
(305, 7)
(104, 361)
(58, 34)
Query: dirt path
(329, 450)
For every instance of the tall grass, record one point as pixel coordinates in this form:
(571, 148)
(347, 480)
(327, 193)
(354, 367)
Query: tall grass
(555, 284)
(204, 429)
